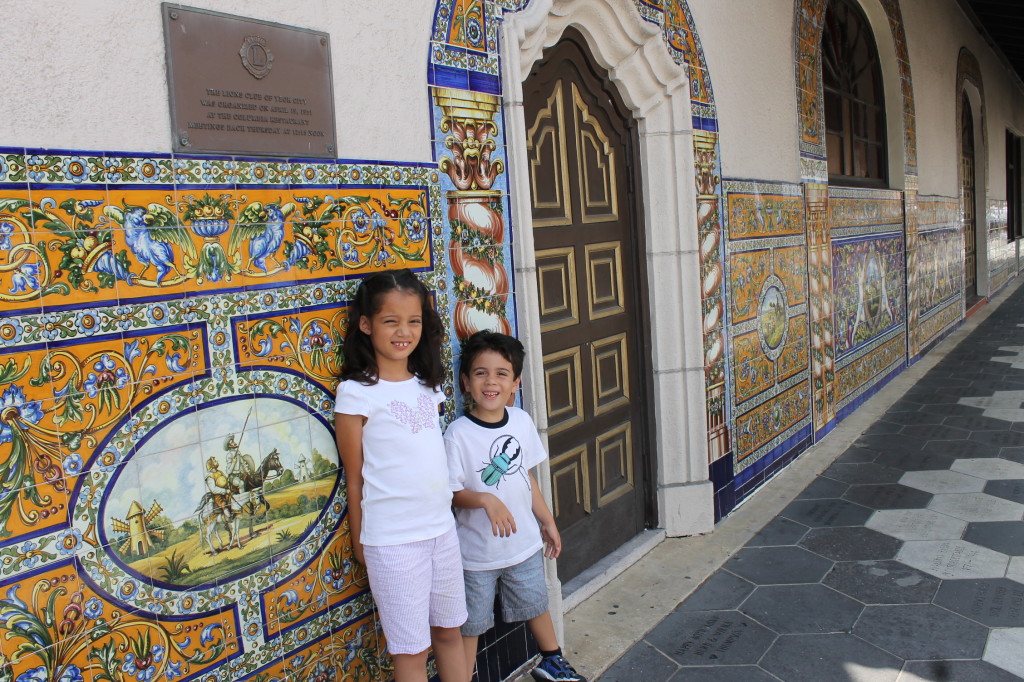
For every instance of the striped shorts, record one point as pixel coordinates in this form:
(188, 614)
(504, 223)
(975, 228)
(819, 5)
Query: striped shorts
(417, 585)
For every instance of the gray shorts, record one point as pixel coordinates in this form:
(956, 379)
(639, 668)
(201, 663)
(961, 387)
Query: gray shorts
(524, 594)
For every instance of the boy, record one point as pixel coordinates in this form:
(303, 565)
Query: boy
(505, 528)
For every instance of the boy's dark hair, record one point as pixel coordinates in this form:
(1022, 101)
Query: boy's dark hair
(504, 345)
(360, 361)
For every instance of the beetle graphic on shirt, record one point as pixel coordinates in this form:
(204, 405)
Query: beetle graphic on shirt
(504, 461)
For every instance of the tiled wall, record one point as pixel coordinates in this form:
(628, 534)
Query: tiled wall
(868, 285)
(939, 271)
(1002, 254)
(768, 310)
(158, 312)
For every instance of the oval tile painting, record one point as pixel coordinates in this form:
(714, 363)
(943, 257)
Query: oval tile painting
(185, 513)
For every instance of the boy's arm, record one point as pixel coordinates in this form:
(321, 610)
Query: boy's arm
(548, 530)
(348, 431)
(503, 524)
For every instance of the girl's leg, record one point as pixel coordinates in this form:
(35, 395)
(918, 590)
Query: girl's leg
(410, 667)
(450, 654)
(469, 646)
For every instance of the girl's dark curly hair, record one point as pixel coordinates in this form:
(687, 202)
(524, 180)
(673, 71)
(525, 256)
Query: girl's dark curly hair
(360, 363)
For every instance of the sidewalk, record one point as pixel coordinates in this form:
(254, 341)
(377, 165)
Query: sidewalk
(892, 550)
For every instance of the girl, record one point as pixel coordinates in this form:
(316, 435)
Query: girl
(399, 503)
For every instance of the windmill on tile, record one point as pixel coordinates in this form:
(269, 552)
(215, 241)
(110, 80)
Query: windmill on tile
(140, 535)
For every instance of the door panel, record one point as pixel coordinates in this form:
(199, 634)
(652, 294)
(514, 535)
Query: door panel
(590, 298)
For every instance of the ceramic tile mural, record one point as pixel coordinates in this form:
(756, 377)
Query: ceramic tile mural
(1002, 254)
(868, 287)
(766, 265)
(168, 321)
(939, 263)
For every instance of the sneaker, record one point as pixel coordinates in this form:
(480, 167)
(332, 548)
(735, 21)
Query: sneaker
(556, 668)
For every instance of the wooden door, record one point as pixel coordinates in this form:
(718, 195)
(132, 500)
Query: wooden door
(592, 304)
(967, 194)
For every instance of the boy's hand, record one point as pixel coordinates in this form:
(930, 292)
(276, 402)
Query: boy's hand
(552, 540)
(503, 524)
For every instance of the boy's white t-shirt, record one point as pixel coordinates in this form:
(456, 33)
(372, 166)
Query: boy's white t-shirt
(406, 497)
(495, 458)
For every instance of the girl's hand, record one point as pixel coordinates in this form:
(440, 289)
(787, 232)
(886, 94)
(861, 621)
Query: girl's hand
(503, 524)
(552, 540)
(357, 552)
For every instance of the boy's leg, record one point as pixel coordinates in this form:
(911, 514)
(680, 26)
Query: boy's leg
(543, 631)
(410, 667)
(480, 587)
(449, 654)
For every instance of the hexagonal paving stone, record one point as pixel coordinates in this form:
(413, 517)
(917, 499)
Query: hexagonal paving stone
(916, 460)
(890, 442)
(802, 609)
(851, 544)
(855, 455)
(917, 524)
(1012, 454)
(641, 662)
(778, 532)
(928, 432)
(826, 513)
(1001, 439)
(711, 638)
(943, 482)
(952, 559)
(1015, 569)
(977, 507)
(1012, 490)
(823, 488)
(997, 602)
(863, 472)
(961, 671)
(915, 417)
(1002, 536)
(778, 565)
(977, 423)
(882, 582)
(1005, 649)
(888, 496)
(829, 657)
(723, 591)
(719, 673)
(989, 469)
(921, 632)
(958, 448)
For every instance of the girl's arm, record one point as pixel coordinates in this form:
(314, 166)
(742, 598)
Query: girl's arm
(503, 524)
(348, 430)
(548, 530)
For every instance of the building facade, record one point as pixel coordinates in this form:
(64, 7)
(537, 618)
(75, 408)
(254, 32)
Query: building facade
(718, 228)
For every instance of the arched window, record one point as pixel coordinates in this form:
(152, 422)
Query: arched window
(854, 100)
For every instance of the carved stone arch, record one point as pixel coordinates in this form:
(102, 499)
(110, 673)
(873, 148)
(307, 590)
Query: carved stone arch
(969, 84)
(656, 91)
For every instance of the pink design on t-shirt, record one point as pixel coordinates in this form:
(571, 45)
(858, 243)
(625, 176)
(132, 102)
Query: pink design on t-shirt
(423, 416)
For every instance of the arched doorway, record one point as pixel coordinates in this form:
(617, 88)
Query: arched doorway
(967, 197)
(592, 301)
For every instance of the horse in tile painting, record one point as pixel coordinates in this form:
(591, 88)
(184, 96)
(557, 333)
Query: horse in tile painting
(244, 495)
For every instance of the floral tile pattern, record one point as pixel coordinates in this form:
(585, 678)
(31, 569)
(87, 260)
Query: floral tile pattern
(168, 320)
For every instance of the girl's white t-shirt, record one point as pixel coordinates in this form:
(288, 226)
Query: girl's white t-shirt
(406, 497)
(495, 458)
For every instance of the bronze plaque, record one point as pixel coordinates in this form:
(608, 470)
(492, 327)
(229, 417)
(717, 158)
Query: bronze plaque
(240, 85)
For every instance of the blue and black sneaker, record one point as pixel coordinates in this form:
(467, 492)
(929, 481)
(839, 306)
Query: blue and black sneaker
(556, 668)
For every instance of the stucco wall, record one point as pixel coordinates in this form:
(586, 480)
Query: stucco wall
(91, 74)
(749, 52)
(936, 31)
